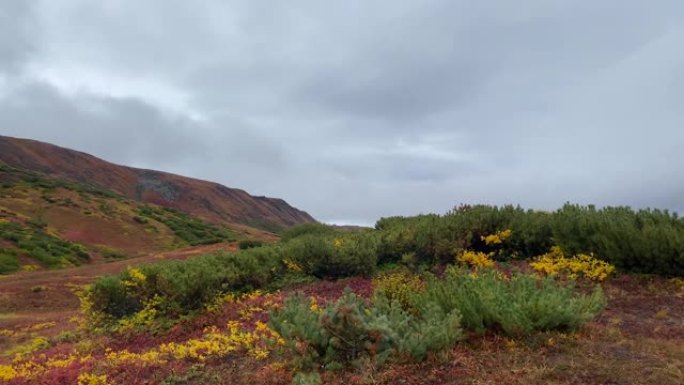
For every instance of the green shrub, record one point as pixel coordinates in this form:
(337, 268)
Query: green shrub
(644, 241)
(53, 252)
(8, 261)
(328, 257)
(351, 332)
(525, 303)
(191, 230)
(180, 288)
(307, 229)
(112, 254)
(399, 286)
(249, 244)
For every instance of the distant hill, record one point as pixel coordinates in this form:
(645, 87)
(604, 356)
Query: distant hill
(61, 208)
(206, 200)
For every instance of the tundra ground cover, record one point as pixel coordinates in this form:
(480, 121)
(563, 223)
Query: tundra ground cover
(221, 319)
(629, 343)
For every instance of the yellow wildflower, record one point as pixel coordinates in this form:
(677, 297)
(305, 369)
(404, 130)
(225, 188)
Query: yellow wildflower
(497, 238)
(92, 379)
(580, 266)
(7, 373)
(475, 259)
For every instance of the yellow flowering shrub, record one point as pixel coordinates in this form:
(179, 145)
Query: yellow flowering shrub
(217, 303)
(29, 267)
(7, 372)
(555, 263)
(398, 286)
(34, 344)
(497, 238)
(476, 259)
(292, 266)
(142, 319)
(135, 277)
(31, 368)
(216, 344)
(314, 305)
(679, 282)
(92, 379)
(89, 318)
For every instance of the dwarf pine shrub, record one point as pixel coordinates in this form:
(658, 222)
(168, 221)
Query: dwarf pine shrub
(519, 305)
(644, 241)
(351, 331)
(343, 255)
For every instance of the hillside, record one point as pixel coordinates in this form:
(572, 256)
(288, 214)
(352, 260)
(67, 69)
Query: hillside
(52, 223)
(206, 200)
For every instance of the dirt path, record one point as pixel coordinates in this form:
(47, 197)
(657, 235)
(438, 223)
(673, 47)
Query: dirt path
(47, 296)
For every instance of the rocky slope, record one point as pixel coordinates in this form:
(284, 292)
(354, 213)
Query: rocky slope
(206, 200)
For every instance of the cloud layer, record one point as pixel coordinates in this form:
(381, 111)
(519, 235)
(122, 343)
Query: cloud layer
(357, 110)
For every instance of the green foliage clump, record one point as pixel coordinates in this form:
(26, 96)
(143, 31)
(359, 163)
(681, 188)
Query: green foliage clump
(333, 257)
(436, 238)
(189, 229)
(351, 332)
(644, 241)
(249, 244)
(25, 178)
(399, 286)
(515, 306)
(53, 252)
(307, 229)
(179, 288)
(8, 261)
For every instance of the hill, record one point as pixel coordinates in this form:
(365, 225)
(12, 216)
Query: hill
(52, 223)
(62, 208)
(209, 201)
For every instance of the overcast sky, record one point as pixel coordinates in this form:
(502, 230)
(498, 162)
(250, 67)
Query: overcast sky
(354, 110)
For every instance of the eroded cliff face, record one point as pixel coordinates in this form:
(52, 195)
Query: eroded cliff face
(207, 200)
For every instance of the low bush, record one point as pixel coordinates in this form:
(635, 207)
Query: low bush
(249, 244)
(177, 288)
(352, 332)
(8, 261)
(643, 241)
(333, 257)
(555, 263)
(519, 305)
(307, 229)
(399, 286)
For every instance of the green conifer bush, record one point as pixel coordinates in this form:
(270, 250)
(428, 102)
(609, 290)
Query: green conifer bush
(352, 331)
(515, 306)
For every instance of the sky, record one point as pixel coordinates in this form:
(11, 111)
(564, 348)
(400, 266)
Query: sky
(356, 110)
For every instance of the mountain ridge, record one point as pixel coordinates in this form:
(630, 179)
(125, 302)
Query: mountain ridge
(208, 200)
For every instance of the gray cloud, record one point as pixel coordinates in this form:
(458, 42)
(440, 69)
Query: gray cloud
(16, 27)
(354, 111)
